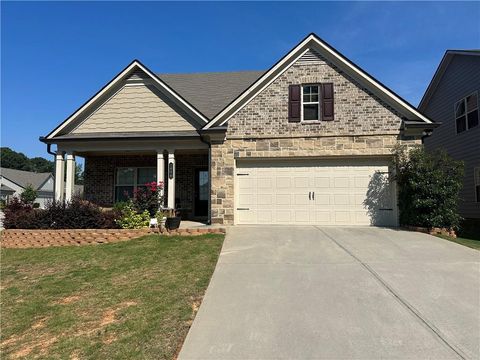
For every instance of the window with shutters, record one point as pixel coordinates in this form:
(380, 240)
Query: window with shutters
(311, 102)
(466, 113)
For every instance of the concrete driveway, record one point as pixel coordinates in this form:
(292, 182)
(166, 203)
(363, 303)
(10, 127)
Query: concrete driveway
(339, 293)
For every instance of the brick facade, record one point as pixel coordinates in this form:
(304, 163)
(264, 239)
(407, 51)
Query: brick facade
(363, 126)
(100, 177)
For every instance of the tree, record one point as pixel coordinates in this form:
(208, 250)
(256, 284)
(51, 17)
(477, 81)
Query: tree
(40, 164)
(13, 160)
(429, 184)
(29, 195)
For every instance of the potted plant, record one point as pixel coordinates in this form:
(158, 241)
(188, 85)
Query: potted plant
(173, 220)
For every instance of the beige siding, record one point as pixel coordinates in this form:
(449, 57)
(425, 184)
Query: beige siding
(461, 78)
(135, 108)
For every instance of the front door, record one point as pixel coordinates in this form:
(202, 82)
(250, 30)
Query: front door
(201, 192)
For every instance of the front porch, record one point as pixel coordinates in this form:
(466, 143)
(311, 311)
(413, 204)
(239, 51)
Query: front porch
(112, 176)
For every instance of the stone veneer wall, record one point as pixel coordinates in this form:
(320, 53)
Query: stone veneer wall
(363, 126)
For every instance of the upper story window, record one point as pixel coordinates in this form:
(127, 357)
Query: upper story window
(466, 113)
(310, 102)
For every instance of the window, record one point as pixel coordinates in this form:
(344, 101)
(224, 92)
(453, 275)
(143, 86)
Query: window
(476, 173)
(466, 113)
(310, 102)
(128, 179)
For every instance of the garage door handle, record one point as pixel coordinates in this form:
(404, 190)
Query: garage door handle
(313, 195)
(243, 208)
(309, 195)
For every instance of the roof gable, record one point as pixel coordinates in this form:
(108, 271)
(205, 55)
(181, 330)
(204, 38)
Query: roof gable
(131, 71)
(25, 178)
(440, 72)
(310, 45)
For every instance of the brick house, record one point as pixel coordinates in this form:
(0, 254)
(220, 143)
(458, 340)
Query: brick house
(306, 142)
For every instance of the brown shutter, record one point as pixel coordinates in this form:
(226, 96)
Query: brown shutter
(327, 102)
(294, 103)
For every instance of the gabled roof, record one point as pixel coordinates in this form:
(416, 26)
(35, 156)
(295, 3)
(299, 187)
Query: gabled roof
(313, 42)
(25, 178)
(442, 67)
(211, 92)
(130, 69)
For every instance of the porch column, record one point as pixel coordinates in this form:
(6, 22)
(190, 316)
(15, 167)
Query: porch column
(161, 173)
(70, 183)
(59, 176)
(171, 179)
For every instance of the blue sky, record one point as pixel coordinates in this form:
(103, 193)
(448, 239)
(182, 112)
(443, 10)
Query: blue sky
(54, 55)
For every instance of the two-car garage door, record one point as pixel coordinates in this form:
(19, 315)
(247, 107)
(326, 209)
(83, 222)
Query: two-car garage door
(323, 192)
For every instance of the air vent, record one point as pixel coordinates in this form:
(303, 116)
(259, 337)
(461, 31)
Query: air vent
(311, 56)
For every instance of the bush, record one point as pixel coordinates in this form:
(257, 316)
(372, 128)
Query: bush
(28, 195)
(147, 198)
(429, 184)
(131, 219)
(76, 214)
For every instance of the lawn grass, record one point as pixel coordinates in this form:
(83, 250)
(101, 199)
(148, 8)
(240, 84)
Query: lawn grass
(128, 300)
(471, 243)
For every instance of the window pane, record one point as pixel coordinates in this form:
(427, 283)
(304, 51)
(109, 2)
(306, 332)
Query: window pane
(310, 112)
(307, 90)
(460, 108)
(314, 89)
(314, 98)
(306, 98)
(472, 119)
(123, 193)
(146, 175)
(472, 102)
(461, 124)
(125, 176)
(203, 185)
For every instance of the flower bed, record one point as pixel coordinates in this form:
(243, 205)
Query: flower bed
(21, 238)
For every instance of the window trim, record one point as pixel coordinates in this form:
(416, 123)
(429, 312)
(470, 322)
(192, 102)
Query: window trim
(135, 178)
(319, 102)
(464, 99)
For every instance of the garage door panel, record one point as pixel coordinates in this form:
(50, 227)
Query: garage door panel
(277, 192)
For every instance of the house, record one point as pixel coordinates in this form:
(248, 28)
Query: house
(13, 183)
(452, 98)
(307, 141)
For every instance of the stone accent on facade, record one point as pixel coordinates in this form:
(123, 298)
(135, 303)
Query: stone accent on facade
(13, 238)
(225, 155)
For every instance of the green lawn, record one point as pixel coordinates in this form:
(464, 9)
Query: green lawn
(134, 299)
(471, 243)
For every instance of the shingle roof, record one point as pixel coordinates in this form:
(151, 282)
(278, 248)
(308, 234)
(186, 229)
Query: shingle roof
(211, 92)
(24, 178)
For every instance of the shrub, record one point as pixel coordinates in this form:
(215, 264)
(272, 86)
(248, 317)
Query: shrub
(76, 214)
(147, 198)
(429, 184)
(131, 219)
(29, 195)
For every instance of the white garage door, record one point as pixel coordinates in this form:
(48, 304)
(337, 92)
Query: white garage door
(326, 192)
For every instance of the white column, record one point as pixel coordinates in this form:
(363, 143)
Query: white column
(59, 176)
(161, 172)
(70, 183)
(171, 178)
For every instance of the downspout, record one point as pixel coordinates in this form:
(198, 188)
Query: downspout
(209, 220)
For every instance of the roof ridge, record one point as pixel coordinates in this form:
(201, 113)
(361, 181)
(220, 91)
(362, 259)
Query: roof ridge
(212, 72)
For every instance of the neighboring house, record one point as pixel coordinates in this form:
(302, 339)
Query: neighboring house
(306, 142)
(13, 182)
(452, 98)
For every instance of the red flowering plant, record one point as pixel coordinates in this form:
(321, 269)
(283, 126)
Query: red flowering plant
(148, 197)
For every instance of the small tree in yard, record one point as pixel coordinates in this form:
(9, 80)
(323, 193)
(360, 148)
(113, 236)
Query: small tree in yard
(429, 184)
(29, 195)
